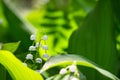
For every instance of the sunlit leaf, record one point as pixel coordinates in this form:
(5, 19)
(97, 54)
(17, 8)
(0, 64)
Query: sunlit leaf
(16, 69)
(69, 59)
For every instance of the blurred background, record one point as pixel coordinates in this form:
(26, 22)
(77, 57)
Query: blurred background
(56, 18)
(90, 28)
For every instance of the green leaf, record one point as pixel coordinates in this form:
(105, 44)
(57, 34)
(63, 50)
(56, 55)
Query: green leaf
(69, 59)
(16, 69)
(12, 47)
(95, 39)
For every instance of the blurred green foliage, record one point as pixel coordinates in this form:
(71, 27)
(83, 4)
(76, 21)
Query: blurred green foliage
(96, 37)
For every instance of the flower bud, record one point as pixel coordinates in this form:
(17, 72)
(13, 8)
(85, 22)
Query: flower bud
(45, 37)
(45, 47)
(45, 55)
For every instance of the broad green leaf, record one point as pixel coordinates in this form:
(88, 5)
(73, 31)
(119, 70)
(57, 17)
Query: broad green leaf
(16, 69)
(95, 39)
(12, 47)
(69, 59)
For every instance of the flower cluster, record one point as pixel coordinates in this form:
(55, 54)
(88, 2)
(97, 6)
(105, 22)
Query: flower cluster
(70, 69)
(34, 53)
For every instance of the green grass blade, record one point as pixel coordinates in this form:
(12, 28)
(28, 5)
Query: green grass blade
(16, 69)
(69, 59)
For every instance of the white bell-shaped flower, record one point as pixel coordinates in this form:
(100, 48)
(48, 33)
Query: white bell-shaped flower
(63, 71)
(38, 60)
(32, 37)
(29, 56)
(72, 68)
(32, 48)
